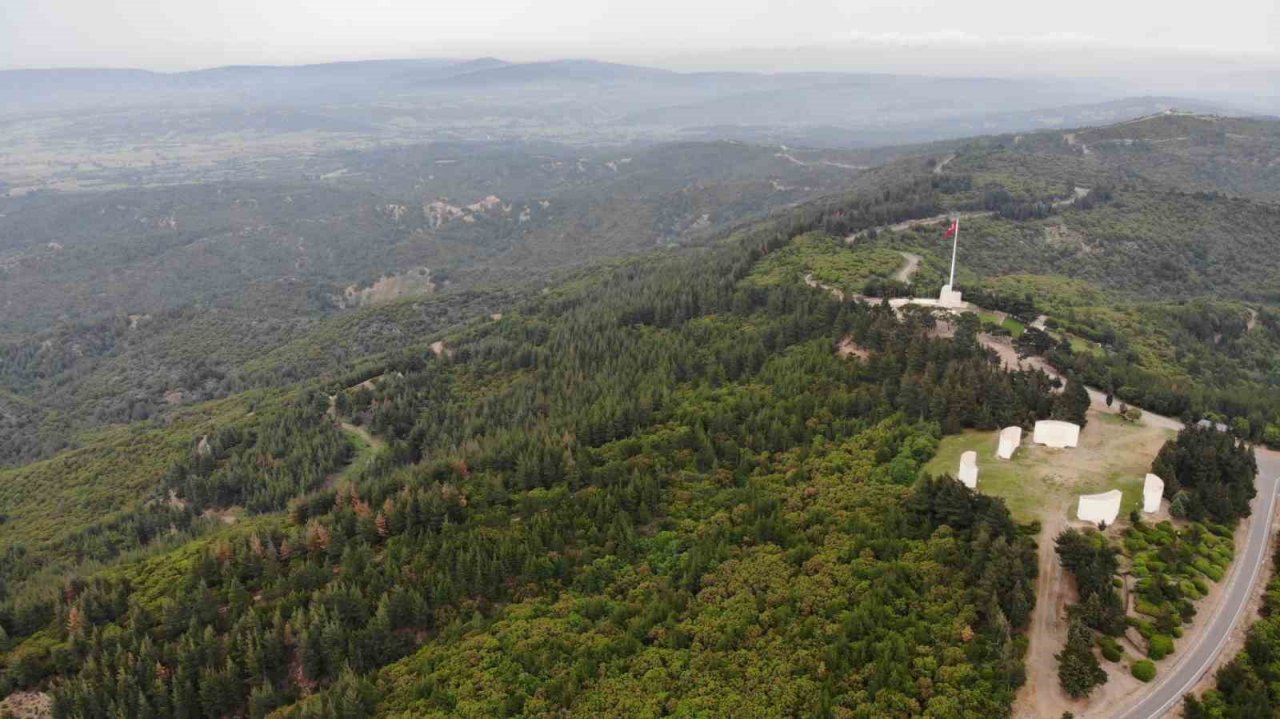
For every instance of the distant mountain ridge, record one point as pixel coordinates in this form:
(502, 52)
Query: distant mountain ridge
(111, 128)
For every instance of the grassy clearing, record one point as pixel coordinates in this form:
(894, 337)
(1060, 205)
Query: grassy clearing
(1009, 324)
(1113, 454)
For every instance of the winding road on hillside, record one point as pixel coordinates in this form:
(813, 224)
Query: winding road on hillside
(1195, 661)
(1201, 655)
(1077, 194)
(1202, 652)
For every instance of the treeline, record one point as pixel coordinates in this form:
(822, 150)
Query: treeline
(661, 420)
(1222, 370)
(130, 369)
(1093, 562)
(1208, 475)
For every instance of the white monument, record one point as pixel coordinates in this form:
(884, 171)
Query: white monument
(1010, 441)
(1056, 433)
(1103, 507)
(1152, 493)
(969, 469)
(950, 296)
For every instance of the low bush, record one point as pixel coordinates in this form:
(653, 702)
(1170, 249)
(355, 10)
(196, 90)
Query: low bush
(1111, 650)
(1144, 671)
(1161, 646)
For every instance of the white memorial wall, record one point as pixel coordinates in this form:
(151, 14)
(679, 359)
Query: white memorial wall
(969, 469)
(1010, 441)
(1103, 507)
(1152, 493)
(1056, 433)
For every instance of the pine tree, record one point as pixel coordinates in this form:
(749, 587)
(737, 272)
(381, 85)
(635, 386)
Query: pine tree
(1078, 668)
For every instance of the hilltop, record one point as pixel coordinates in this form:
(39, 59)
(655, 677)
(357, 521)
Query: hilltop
(1187, 151)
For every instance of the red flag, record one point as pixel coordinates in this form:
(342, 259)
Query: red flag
(952, 230)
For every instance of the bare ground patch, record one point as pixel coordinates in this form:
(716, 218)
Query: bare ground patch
(848, 348)
(27, 705)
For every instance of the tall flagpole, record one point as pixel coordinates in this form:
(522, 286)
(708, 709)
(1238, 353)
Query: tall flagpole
(954, 247)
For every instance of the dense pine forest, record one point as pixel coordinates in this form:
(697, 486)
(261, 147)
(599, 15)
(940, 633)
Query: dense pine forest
(685, 483)
(647, 491)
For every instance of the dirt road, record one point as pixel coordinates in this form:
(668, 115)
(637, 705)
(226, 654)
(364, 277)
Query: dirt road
(910, 268)
(1042, 696)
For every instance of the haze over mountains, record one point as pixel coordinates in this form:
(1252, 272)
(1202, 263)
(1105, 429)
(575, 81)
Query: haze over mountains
(56, 123)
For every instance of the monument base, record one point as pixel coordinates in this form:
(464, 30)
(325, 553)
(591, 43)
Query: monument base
(950, 298)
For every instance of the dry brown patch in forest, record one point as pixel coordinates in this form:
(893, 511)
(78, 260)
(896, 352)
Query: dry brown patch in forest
(27, 705)
(848, 348)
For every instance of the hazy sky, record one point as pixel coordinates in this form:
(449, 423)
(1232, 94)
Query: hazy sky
(180, 34)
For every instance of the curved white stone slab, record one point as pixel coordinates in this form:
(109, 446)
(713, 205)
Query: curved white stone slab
(1010, 441)
(969, 469)
(1152, 493)
(1056, 433)
(1103, 507)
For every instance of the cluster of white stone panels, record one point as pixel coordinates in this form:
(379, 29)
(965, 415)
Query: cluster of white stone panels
(1010, 440)
(1104, 507)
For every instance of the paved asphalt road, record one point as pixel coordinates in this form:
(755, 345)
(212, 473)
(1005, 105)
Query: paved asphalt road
(1194, 661)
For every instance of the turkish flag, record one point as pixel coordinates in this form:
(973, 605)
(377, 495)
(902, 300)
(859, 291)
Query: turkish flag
(952, 230)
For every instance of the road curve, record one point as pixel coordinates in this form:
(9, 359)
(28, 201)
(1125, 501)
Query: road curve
(1193, 661)
(1166, 694)
(911, 264)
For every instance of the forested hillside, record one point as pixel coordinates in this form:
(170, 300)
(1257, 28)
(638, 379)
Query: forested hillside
(1186, 151)
(1169, 294)
(121, 305)
(648, 490)
(686, 482)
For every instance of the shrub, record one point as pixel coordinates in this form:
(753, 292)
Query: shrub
(1161, 646)
(1143, 606)
(1179, 506)
(1189, 589)
(1111, 650)
(1144, 627)
(1144, 671)
(1208, 569)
